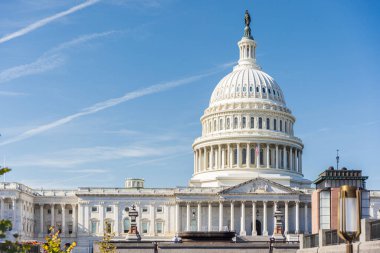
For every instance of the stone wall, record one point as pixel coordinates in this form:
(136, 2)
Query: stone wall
(201, 247)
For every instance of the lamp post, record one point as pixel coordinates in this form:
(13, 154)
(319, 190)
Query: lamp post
(349, 214)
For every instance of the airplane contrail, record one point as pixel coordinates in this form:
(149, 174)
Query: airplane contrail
(110, 103)
(45, 21)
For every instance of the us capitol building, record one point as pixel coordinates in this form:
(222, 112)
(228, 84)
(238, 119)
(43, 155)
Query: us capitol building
(247, 164)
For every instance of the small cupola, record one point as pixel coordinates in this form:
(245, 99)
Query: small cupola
(134, 183)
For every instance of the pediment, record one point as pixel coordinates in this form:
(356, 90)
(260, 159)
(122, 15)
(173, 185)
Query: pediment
(258, 186)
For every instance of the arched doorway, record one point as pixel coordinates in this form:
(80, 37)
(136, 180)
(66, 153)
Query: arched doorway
(258, 227)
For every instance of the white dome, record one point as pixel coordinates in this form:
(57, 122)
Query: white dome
(245, 84)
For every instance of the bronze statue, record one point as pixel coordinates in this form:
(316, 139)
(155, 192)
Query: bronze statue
(247, 29)
(247, 18)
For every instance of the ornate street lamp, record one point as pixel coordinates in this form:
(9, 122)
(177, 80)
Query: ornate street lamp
(349, 214)
(133, 234)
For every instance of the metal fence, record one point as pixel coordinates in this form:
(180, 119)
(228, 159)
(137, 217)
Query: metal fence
(332, 237)
(311, 241)
(375, 230)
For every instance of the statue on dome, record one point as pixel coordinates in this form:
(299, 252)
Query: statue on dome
(247, 29)
(247, 18)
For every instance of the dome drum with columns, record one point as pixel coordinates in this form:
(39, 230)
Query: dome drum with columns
(247, 130)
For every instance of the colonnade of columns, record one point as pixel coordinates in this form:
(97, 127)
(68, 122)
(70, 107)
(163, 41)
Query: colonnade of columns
(247, 155)
(222, 205)
(13, 206)
(43, 226)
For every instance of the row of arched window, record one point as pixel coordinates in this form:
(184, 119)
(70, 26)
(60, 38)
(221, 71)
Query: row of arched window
(251, 122)
(264, 91)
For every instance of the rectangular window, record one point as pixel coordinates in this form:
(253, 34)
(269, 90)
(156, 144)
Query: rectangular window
(109, 209)
(159, 227)
(160, 209)
(59, 211)
(70, 211)
(94, 209)
(145, 209)
(70, 229)
(49, 211)
(252, 155)
(145, 227)
(94, 226)
(126, 225)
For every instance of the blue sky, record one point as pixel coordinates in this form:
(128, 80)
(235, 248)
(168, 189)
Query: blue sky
(94, 92)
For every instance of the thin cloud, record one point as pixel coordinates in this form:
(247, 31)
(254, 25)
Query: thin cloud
(107, 104)
(45, 21)
(77, 156)
(50, 59)
(11, 94)
(42, 64)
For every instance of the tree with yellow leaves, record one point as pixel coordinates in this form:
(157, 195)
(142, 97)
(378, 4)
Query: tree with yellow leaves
(105, 245)
(53, 243)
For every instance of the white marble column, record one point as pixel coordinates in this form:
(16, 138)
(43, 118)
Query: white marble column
(80, 217)
(87, 217)
(238, 155)
(242, 226)
(277, 156)
(254, 232)
(218, 165)
(300, 166)
(265, 223)
(199, 216)
(220, 216)
(296, 160)
(306, 220)
(204, 159)
(116, 218)
(195, 162)
(285, 158)
(167, 218)
(231, 155)
(223, 157)
(188, 216)
(268, 155)
(199, 160)
(101, 218)
(209, 216)
(291, 159)
(286, 218)
(248, 155)
(232, 228)
(177, 218)
(75, 219)
(274, 218)
(152, 218)
(52, 215)
(63, 219)
(257, 155)
(297, 217)
(211, 162)
(41, 219)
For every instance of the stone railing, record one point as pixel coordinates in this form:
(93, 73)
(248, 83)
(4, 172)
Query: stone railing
(17, 187)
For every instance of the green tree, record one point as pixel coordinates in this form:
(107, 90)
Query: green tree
(53, 243)
(105, 245)
(5, 226)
